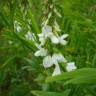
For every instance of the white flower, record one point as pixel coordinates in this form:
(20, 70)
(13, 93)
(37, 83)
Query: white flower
(57, 71)
(71, 66)
(47, 31)
(47, 28)
(58, 57)
(54, 39)
(57, 40)
(61, 39)
(47, 62)
(41, 52)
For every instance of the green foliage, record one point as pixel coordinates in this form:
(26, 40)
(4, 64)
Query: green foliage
(80, 76)
(21, 72)
(42, 93)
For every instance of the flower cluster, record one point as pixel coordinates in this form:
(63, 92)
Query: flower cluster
(55, 58)
(50, 36)
(47, 33)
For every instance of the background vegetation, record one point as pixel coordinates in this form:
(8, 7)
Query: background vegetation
(21, 72)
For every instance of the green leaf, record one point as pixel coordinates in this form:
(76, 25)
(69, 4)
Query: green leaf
(33, 20)
(44, 93)
(7, 62)
(84, 75)
(90, 79)
(27, 43)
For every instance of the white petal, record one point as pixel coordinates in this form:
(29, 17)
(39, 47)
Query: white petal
(40, 35)
(37, 53)
(42, 39)
(61, 39)
(58, 57)
(54, 39)
(46, 29)
(41, 52)
(54, 59)
(48, 35)
(71, 66)
(47, 62)
(64, 36)
(56, 70)
(61, 58)
(62, 42)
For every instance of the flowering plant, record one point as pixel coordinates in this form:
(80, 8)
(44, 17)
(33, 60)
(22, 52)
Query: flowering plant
(50, 34)
(47, 47)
